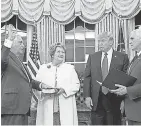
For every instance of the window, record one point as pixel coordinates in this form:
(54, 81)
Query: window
(21, 28)
(79, 42)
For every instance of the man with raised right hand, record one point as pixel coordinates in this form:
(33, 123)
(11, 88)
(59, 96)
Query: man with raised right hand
(16, 82)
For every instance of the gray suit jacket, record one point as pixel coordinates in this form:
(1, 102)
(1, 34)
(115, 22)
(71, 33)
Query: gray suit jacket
(133, 97)
(93, 72)
(16, 84)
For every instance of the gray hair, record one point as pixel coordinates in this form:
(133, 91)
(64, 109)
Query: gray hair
(53, 47)
(137, 32)
(18, 37)
(106, 35)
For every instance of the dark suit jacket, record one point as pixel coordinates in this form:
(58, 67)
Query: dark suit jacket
(133, 99)
(16, 84)
(93, 72)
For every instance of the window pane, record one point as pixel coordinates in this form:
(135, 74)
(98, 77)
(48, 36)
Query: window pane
(70, 26)
(79, 51)
(89, 26)
(79, 24)
(90, 50)
(90, 42)
(12, 21)
(83, 35)
(69, 43)
(79, 54)
(21, 25)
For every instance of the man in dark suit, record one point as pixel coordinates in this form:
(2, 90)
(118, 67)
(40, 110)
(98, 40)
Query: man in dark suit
(105, 107)
(133, 93)
(16, 82)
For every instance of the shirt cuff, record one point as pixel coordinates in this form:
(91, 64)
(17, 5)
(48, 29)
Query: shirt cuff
(40, 85)
(8, 43)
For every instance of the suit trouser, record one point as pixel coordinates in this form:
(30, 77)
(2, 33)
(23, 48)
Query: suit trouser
(115, 103)
(103, 114)
(13, 119)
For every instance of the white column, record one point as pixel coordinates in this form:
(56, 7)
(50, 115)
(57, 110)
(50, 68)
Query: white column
(29, 39)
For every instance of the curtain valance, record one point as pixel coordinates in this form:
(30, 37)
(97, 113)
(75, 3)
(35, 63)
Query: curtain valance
(126, 9)
(64, 11)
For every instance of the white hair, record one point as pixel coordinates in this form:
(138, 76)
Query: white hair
(18, 38)
(137, 32)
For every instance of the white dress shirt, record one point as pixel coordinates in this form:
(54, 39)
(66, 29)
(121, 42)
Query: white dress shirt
(109, 56)
(8, 43)
(139, 53)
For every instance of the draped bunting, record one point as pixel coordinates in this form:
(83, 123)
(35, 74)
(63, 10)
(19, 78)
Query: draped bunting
(52, 15)
(30, 10)
(126, 8)
(93, 10)
(64, 11)
(6, 10)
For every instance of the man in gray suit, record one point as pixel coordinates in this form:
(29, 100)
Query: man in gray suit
(133, 93)
(16, 82)
(105, 107)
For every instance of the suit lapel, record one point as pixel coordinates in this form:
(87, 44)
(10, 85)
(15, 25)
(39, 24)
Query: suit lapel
(134, 64)
(113, 60)
(19, 64)
(15, 59)
(98, 62)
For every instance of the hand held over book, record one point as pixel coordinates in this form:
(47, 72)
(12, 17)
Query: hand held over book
(122, 90)
(88, 102)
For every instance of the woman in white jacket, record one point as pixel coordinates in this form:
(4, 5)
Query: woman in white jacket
(57, 105)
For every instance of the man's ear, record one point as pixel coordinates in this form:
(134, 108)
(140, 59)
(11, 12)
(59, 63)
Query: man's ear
(111, 41)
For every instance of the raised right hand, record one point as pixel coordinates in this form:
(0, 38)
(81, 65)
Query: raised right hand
(88, 102)
(11, 32)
